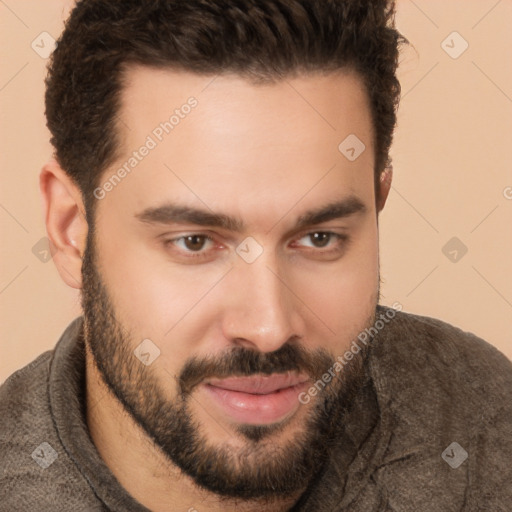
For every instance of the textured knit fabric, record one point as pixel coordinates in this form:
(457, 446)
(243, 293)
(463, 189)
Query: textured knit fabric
(431, 430)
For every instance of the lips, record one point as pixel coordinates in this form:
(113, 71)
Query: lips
(259, 384)
(256, 400)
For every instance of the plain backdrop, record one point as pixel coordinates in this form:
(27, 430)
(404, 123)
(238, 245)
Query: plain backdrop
(445, 234)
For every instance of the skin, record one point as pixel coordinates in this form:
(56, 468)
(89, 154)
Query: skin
(260, 153)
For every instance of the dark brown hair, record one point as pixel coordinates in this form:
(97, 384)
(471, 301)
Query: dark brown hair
(261, 40)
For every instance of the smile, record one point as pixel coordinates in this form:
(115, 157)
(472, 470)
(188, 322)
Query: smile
(257, 400)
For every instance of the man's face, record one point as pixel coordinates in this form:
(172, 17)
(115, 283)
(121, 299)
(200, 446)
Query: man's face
(243, 314)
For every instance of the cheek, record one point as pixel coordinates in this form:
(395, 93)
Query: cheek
(343, 294)
(154, 298)
(139, 292)
(151, 300)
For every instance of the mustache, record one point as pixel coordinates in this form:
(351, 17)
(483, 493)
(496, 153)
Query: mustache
(243, 362)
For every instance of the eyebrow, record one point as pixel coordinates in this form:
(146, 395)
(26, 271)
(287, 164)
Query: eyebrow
(174, 213)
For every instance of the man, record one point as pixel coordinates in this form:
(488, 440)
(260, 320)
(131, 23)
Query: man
(219, 171)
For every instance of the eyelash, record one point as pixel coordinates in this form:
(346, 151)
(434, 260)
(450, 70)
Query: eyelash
(342, 240)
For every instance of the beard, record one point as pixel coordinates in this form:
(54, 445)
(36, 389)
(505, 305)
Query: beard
(268, 465)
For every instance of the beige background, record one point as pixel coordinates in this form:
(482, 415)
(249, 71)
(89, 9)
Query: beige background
(452, 161)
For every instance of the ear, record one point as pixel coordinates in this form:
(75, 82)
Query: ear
(66, 224)
(385, 180)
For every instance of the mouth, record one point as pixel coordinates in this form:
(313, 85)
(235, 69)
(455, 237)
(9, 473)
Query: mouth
(258, 399)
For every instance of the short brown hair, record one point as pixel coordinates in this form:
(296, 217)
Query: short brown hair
(262, 40)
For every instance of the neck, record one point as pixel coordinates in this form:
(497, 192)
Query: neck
(144, 471)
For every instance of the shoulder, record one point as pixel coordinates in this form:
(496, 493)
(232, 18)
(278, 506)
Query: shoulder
(445, 397)
(35, 469)
(424, 350)
(429, 369)
(27, 436)
(24, 398)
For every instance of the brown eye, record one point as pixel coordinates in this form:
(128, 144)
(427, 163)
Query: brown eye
(323, 243)
(195, 242)
(320, 239)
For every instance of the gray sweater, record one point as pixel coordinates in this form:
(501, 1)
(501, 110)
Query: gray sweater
(431, 430)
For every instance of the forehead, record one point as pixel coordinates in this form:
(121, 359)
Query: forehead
(323, 101)
(224, 138)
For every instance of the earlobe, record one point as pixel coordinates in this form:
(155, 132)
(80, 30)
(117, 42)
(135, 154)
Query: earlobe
(385, 180)
(65, 220)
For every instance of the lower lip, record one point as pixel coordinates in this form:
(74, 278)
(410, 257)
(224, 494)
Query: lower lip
(257, 409)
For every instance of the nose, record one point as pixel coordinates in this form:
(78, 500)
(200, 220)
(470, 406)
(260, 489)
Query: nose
(261, 313)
